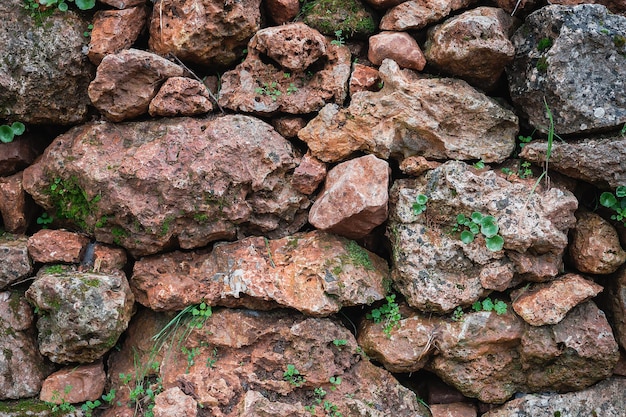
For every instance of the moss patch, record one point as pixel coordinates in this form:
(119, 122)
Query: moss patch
(350, 17)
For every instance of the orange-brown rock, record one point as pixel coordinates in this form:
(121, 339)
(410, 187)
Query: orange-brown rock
(115, 30)
(288, 126)
(453, 410)
(107, 258)
(17, 155)
(399, 46)
(74, 384)
(282, 11)
(50, 246)
(122, 4)
(181, 96)
(616, 295)
(174, 402)
(417, 165)
(364, 78)
(15, 206)
(309, 174)
(416, 14)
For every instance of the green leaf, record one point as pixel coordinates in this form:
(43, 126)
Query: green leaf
(474, 229)
(18, 128)
(85, 4)
(63, 7)
(477, 306)
(467, 236)
(487, 304)
(6, 134)
(494, 243)
(620, 191)
(460, 219)
(500, 307)
(489, 229)
(421, 199)
(477, 217)
(608, 199)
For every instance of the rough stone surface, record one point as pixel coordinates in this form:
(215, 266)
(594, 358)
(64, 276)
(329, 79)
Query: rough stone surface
(417, 14)
(474, 45)
(211, 179)
(50, 246)
(282, 11)
(315, 273)
(106, 258)
(15, 262)
(43, 78)
(453, 410)
(180, 96)
(115, 30)
(294, 78)
(616, 289)
(204, 32)
(308, 175)
(363, 78)
(615, 6)
(83, 313)
(22, 368)
(600, 161)
(398, 46)
(86, 383)
(173, 402)
(548, 303)
(434, 118)
(122, 4)
(604, 399)
(15, 206)
(250, 351)
(351, 18)
(126, 82)
(580, 75)
(354, 198)
(416, 165)
(594, 245)
(16, 155)
(436, 271)
(288, 126)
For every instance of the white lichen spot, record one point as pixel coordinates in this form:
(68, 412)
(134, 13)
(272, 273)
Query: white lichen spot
(598, 112)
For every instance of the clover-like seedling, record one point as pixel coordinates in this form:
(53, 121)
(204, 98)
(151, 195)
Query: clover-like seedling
(616, 202)
(477, 223)
(7, 133)
(419, 206)
(487, 304)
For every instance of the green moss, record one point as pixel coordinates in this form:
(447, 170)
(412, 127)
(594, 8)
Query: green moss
(90, 282)
(542, 64)
(543, 44)
(71, 202)
(350, 17)
(26, 407)
(619, 41)
(118, 234)
(165, 227)
(54, 269)
(359, 256)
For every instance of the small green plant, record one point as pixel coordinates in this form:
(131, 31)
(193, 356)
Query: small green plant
(200, 313)
(479, 164)
(59, 404)
(118, 234)
(331, 409)
(211, 360)
(507, 171)
(269, 89)
(292, 89)
(335, 382)
(145, 389)
(339, 39)
(525, 170)
(542, 64)
(44, 220)
(62, 5)
(524, 140)
(7, 133)
(457, 314)
(419, 206)
(388, 314)
(87, 33)
(616, 202)
(488, 305)
(623, 131)
(293, 376)
(54, 269)
(319, 395)
(89, 406)
(478, 223)
(543, 44)
(71, 201)
(340, 342)
(191, 356)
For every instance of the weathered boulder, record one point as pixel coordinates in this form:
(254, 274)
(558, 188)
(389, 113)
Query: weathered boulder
(181, 96)
(43, 72)
(174, 402)
(398, 46)
(74, 384)
(115, 30)
(81, 314)
(605, 399)
(571, 59)
(204, 32)
(50, 246)
(15, 206)
(548, 303)
(435, 118)
(122, 4)
(16, 263)
(282, 11)
(594, 245)
(315, 272)
(22, 368)
(600, 161)
(417, 14)
(17, 155)
(363, 78)
(104, 258)
(126, 82)
(308, 175)
(250, 363)
(210, 179)
(354, 198)
(347, 18)
(288, 126)
(615, 6)
(436, 271)
(616, 296)
(453, 410)
(290, 68)
(474, 45)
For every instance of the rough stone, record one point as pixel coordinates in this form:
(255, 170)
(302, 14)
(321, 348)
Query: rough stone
(341, 19)
(416, 165)
(204, 32)
(474, 45)
(600, 161)
(114, 31)
(83, 314)
(50, 246)
(363, 78)
(85, 382)
(453, 410)
(616, 295)
(288, 126)
(43, 78)
(262, 87)
(615, 6)
(122, 4)
(384, 4)
(282, 11)
(173, 402)
(517, 8)
(578, 69)
(434, 118)
(354, 198)
(417, 14)
(180, 96)
(398, 46)
(15, 206)
(16, 155)
(315, 273)
(548, 303)
(436, 271)
(594, 245)
(605, 399)
(106, 258)
(211, 179)
(22, 368)
(308, 175)
(126, 82)
(16, 263)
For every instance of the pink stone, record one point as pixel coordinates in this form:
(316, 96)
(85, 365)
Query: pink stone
(364, 78)
(309, 174)
(453, 410)
(74, 384)
(48, 246)
(115, 30)
(282, 11)
(399, 46)
(14, 206)
(180, 96)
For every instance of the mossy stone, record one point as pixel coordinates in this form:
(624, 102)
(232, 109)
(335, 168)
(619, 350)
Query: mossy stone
(351, 17)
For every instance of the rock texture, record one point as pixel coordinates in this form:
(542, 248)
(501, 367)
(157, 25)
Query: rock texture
(417, 14)
(43, 78)
(616, 290)
(85, 382)
(315, 273)
(81, 314)
(180, 96)
(210, 179)
(115, 30)
(15, 206)
(50, 246)
(573, 58)
(436, 271)
(398, 46)
(435, 118)
(16, 263)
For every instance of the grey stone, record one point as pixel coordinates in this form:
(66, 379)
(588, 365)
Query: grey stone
(14, 260)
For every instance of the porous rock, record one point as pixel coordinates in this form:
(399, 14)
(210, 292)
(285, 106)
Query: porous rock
(17, 155)
(398, 46)
(316, 273)
(417, 14)
(616, 296)
(210, 178)
(363, 78)
(50, 246)
(174, 402)
(122, 4)
(43, 73)
(436, 271)
(74, 384)
(15, 206)
(181, 96)
(115, 30)
(126, 82)
(16, 263)
(282, 11)
(354, 198)
(570, 60)
(204, 32)
(434, 118)
(340, 19)
(83, 314)
(309, 174)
